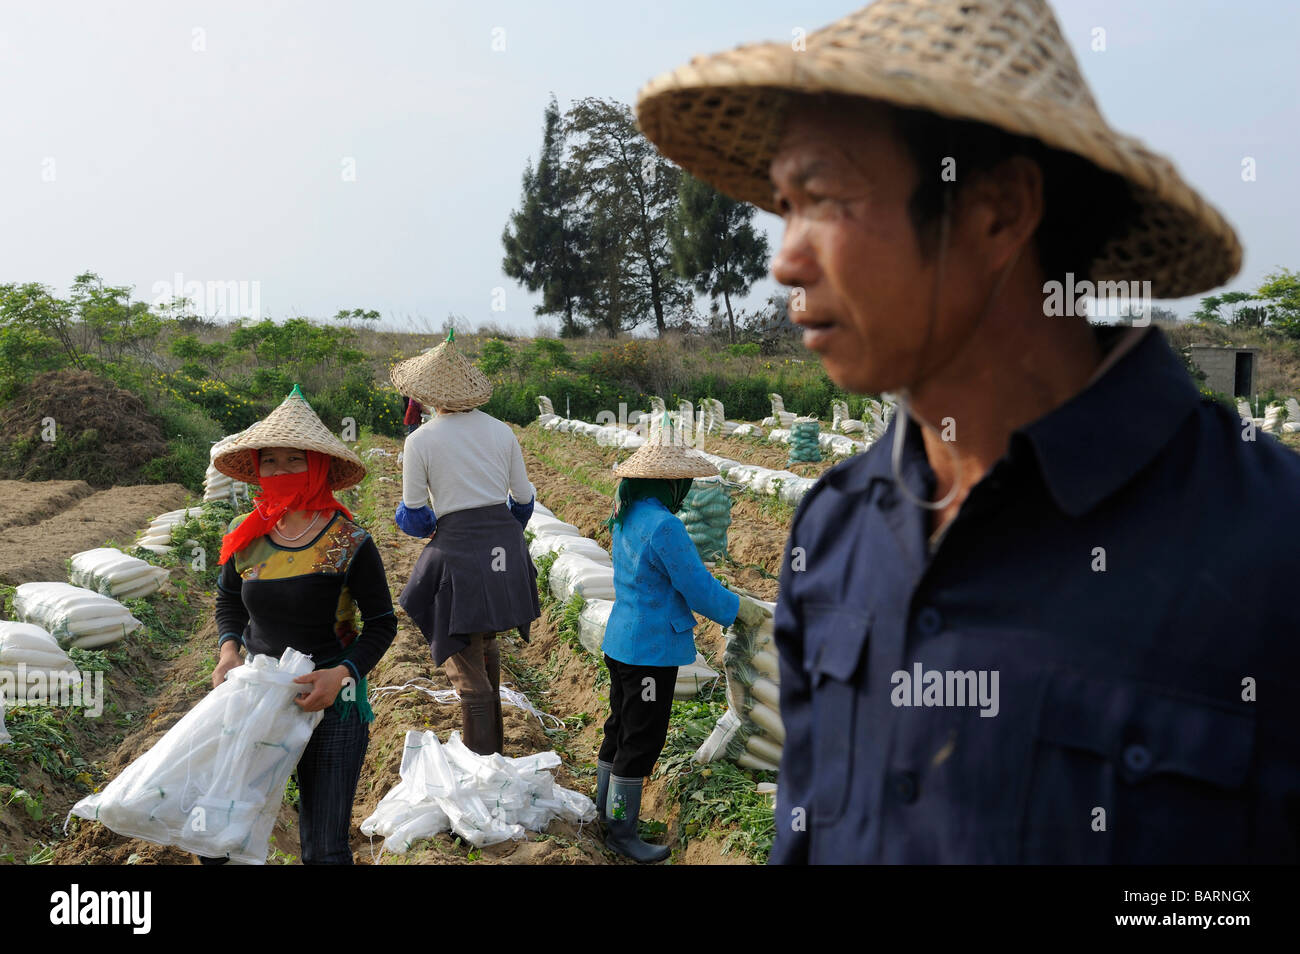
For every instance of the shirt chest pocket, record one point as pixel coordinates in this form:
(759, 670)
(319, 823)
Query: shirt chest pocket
(835, 639)
(1132, 774)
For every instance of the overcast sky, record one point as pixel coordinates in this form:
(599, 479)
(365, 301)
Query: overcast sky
(367, 154)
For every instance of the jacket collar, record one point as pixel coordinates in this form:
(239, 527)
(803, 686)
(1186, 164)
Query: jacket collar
(1087, 448)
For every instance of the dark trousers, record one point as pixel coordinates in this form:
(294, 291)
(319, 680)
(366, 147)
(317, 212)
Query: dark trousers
(640, 703)
(327, 777)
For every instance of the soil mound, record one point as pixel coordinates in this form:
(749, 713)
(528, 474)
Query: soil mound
(72, 425)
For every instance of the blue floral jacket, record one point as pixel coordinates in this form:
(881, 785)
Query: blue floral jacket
(659, 580)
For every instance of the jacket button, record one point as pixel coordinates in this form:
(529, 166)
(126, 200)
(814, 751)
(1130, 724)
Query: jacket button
(1137, 758)
(929, 621)
(905, 787)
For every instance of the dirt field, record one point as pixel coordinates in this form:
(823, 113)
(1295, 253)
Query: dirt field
(45, 522)
(155, 690)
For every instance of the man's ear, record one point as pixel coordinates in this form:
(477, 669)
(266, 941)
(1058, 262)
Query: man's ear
(1002, 208)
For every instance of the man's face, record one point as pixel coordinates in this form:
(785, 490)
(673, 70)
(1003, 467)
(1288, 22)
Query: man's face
(842, 180)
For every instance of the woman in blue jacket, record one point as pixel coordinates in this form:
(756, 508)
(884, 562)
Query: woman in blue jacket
(659, 582)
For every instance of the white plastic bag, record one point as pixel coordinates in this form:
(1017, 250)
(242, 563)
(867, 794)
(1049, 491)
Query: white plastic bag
(573, 573)
(545, 543)
(111, 572)
(485, 799)
(31, 646)
(73, 615)
(750, 732)
(214, 783)
(591, 624)
(691, 679)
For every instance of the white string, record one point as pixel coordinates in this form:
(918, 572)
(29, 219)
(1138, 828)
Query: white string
(903, 395)
(509, 697)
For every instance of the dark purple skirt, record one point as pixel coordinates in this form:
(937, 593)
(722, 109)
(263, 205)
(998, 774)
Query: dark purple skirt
(474, 576)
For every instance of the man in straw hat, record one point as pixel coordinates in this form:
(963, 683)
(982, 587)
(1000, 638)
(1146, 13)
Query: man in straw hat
(659, 582)
(298, 572)
(464, 486)
(1018, 630)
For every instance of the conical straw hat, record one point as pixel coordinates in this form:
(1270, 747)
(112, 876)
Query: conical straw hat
(292, 424)
(668, 460)
(999, 62)
(443, 378)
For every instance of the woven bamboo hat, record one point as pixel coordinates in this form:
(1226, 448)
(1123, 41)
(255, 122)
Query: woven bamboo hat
(999, 62)
(668, 459)
(292, 424)
(443, 378)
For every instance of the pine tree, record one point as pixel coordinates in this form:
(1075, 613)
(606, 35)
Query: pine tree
(630, 191)
(714, 243)
(544, 241)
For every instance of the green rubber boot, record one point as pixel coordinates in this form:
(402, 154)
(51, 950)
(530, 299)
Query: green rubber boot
(624, 810)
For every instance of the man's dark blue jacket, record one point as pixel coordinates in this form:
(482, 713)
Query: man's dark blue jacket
(1126, 577)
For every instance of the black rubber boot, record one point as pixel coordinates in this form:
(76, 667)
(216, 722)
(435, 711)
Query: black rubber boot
(624, 810)
(499, 725)
(478, 722)
(603, 770)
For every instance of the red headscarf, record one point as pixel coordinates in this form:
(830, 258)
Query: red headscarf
(308, 490)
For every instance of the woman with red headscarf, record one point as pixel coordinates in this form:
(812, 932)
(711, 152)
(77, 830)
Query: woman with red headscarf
(298, 573)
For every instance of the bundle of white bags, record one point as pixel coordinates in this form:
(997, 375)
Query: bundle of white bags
(27, 649)
(214, 783)
(74, 615)
(217, 486)
(591, 633)
(555, 543)
(591, 624)
(32, 647)
(485, 799)
(157, 537)
(546, 523)
(574, 573)
(111, 572)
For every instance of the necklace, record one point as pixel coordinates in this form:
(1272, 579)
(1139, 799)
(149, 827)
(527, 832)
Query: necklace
(285, 536)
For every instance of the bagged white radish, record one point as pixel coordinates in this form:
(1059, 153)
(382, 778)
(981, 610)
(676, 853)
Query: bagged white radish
(573, 573)
(750, 732)
(591, 624)
(111, 572)
(73, 615)
(691, 679)
(555, 543)
(541, 524)
(31, 646)
(214, 783)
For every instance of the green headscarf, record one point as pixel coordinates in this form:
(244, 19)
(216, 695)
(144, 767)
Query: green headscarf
(669, 492)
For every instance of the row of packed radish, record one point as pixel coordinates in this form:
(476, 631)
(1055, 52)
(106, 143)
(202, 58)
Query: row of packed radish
(709, 418)
(786, 485)
(86, 611)
(750, 733)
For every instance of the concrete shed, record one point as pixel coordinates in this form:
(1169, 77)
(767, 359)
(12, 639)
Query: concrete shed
(1227, 370)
